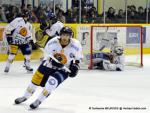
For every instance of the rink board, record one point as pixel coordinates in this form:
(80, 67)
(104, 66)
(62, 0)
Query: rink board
(75, 27)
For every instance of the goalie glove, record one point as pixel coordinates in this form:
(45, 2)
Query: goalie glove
(74, 68)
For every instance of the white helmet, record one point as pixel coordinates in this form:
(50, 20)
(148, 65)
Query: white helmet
(118, 50)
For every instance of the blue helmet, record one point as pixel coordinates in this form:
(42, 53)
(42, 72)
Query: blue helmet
(52, 17)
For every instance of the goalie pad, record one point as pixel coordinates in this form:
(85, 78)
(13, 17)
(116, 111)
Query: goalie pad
(112, 67)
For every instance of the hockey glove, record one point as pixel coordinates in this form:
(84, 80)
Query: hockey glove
(9, 40)
(74, 68)
(56, 64)
(43, 26)
(33, 45)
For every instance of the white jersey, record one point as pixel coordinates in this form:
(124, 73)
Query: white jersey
(55, 29)
(16, 26)
(73, 51)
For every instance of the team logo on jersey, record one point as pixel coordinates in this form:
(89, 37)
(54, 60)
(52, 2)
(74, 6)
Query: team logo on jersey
(71, 55)
(23, 31)
(61, 58)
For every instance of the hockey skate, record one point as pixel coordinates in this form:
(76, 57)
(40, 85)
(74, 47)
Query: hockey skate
(6, 69)
(27, 67)
(9, 62)
(20, 100)
(35, 104)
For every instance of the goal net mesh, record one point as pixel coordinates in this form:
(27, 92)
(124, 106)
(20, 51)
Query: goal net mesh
(95, 39)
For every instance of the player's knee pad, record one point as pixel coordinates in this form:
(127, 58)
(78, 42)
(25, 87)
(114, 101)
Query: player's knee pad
(51, 84)
(13, 49)
(60, 76)
(37, 78)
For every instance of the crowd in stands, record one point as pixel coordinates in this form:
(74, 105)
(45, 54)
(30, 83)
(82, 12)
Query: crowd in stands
(88, 11)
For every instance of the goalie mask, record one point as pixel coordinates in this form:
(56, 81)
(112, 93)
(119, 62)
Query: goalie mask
(118, 50)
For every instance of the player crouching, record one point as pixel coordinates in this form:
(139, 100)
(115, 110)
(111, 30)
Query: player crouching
(113, 61)
(62, 57)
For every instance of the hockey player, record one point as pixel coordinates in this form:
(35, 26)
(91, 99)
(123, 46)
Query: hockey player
(113, 61)
(18, 34)
(63, 55)
(48, 30)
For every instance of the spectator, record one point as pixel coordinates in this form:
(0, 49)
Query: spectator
(132, 18)
(2, 15)
(84, 19)
(75, 3)
(41, 15)
(92, 17)
(12, 13)
(61, 16)
(120, 14)
(141, 14)
(69, 16)
(111, 13)
(75, 19)
(32, 16)
(133, 8)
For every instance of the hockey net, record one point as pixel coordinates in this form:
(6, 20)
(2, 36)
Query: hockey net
(129, 37)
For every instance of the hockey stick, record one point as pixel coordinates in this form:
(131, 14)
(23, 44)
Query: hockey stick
(64, 67)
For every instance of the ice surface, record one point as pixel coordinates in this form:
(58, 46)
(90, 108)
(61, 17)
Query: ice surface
(91, 88)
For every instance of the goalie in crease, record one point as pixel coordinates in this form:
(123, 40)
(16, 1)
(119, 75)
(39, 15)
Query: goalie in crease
(110, 61)
(63, 55)
(113, 61)
(18, 35)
